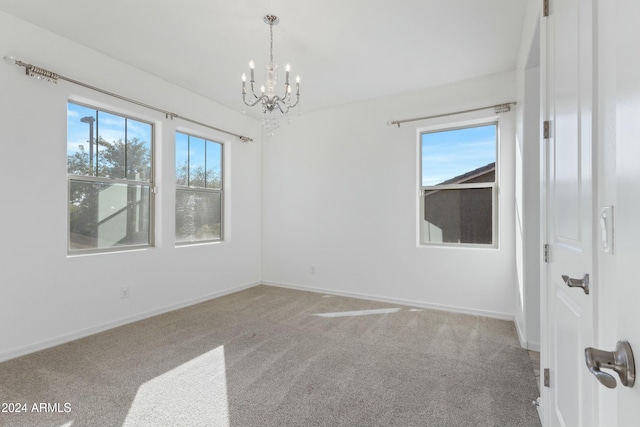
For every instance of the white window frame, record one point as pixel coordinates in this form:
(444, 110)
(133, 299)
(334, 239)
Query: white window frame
(107, 180)
(485, 121)
(220, 191)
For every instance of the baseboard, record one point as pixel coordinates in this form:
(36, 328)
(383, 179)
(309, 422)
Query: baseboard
(540, 412)
(533, 346)
(42, 345)
(524, 343)
(521, 336)
(411, 303)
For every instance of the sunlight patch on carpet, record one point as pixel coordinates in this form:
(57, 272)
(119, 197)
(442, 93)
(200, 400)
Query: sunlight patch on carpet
(194, 394)
(359, 312)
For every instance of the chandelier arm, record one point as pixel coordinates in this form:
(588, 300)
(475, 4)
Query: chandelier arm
(282, 102)
(286, 91)
(280, 105)
(275, 102)
(251, 104)
(297, 100)
(253, 91)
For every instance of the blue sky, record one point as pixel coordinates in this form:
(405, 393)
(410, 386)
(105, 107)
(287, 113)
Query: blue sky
(192, 149)
(447, 154)
(111, 128)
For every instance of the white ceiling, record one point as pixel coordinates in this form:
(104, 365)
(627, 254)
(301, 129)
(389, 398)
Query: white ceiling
(345, 50)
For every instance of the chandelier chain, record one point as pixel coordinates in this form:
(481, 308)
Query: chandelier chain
(271, 45)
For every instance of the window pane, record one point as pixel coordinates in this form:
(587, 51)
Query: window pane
(459, 155)
(107, 215)
(182, 159)
(214, 165)
(196, 162)
(138, 152)
(81, 131)
(458, 216)
(111, 146)
(198, 215)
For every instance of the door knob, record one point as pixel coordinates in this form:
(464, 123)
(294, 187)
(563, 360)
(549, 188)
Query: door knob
(620, 360)
(577, 283)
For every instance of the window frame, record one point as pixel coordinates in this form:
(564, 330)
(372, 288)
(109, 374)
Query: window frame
(152, 190)
(189, 188)
(423, 189)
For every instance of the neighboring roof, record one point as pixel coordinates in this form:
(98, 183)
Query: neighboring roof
(471, 174)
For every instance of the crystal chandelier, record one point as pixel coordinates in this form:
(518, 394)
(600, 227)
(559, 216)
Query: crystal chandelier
(272, 104)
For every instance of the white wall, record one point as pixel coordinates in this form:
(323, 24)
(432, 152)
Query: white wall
(48, 297)
(528, 178)
(340, 193)
(528, 241)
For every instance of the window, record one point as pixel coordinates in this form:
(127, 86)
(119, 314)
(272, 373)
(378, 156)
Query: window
(109, 166)
(199, 191)
(458, 185)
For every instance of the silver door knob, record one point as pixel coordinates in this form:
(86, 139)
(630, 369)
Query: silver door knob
(620, 360)
(577, 283)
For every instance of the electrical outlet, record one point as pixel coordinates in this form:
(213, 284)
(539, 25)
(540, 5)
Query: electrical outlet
(124, 292)
(313, 269)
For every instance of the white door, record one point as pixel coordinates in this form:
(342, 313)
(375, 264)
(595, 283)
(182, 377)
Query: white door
(627, 211)
(568, 400)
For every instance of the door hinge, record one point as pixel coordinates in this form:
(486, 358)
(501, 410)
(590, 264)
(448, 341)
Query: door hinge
(547, 378)
(546, 129)
(545, 8)
(545, 252)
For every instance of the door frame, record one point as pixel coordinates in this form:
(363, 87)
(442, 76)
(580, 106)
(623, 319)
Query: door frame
(545, 114)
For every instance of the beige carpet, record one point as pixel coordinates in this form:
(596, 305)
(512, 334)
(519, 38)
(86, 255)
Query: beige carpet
(276, 357)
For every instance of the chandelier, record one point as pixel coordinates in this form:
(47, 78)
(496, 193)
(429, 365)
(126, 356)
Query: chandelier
(273, 105)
